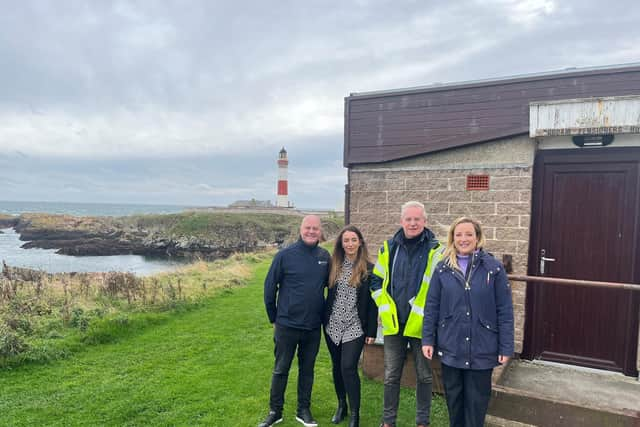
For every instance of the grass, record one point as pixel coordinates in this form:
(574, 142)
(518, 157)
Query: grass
(189, 224)
(210, 365)
(45, 317)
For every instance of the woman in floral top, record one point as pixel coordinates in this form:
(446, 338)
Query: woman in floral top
(350, 318)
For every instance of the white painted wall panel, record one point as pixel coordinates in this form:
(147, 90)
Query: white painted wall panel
(612, 115)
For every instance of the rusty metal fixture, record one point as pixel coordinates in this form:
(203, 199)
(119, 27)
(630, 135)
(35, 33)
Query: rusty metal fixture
(575, 282)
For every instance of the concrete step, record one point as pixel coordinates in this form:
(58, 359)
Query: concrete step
(491, 421)
(546, 394)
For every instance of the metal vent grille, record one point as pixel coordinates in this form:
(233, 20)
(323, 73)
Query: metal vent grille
(477, 182)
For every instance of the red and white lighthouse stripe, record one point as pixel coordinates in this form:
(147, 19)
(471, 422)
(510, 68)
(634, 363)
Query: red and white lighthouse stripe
(283, 184)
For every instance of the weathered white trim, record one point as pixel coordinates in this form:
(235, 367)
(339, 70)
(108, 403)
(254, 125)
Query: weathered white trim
(606, 115)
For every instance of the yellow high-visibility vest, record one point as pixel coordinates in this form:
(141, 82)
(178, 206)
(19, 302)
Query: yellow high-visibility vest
(387, 307)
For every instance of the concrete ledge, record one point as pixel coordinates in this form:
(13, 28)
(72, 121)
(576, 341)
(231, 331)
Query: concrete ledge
(544, 394)
(373, 367)
(526, 407)
(491, 421)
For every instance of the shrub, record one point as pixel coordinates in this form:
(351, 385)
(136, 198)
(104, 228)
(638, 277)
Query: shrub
(19, 324)
(79, 319)
(11, 344)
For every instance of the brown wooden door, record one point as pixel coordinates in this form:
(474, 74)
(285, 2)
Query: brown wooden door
(585, 216)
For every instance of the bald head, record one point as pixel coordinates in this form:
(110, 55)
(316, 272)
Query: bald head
(311, 229)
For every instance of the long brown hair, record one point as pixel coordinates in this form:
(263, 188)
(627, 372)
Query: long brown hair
(450, 255)
(359, 272)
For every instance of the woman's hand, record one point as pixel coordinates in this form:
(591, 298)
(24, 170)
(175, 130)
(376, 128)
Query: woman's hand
(501, 359)
(427, 350)
(369, 340)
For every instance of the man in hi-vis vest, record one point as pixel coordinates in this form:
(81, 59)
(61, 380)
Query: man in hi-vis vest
(399, 287)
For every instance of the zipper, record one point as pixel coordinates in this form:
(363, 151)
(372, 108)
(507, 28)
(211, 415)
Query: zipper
(474, 267)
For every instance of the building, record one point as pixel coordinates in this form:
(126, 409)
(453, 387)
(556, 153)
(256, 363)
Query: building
(253, 203)
(549, 163)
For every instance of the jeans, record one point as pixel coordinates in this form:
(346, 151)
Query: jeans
(287, 340)
(395, 353)
(468, 392)
(344, 360)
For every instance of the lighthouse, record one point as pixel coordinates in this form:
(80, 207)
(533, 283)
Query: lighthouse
(283, 187)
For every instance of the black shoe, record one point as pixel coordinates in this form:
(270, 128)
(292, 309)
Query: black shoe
(305, 417)
(341, 412)
(354, 421)
(273, 418)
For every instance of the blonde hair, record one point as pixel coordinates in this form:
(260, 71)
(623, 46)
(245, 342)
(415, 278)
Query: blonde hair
(450, 255)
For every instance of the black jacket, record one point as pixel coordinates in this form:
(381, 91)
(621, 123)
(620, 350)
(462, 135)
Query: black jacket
(367, 309)
(294, 286)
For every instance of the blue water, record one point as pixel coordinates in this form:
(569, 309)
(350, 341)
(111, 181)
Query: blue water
(48, 260)
(86, 209)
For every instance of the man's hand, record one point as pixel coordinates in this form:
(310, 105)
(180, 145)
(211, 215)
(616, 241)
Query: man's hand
(427, 350)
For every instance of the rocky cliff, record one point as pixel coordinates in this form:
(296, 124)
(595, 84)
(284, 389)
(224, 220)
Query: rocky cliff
(184, 235)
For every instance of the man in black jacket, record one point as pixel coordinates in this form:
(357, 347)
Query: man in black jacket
(294, 299)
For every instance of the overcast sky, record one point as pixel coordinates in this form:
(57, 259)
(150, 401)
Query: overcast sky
(189, 101)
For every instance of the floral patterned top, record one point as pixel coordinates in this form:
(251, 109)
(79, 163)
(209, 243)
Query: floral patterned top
(344, 323)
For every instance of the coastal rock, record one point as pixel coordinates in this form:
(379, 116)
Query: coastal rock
(8, 221)
(186, 235)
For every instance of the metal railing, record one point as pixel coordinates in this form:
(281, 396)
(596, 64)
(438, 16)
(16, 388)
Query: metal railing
(575, 282)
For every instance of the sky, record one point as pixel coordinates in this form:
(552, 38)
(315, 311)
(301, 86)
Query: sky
(188, 102)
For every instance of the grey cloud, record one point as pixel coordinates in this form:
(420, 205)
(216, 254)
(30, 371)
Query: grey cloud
(189, 102)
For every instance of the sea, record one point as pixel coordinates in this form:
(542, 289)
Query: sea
(47, 260)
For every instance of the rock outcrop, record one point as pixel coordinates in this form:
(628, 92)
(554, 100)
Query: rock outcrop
(185, 235)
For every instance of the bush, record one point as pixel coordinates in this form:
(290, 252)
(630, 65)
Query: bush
(79, 319)
(19, 324)
(11, 344)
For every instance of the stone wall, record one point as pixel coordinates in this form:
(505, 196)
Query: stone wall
(439, 181)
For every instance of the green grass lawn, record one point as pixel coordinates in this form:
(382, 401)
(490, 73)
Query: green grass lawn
(207, 366)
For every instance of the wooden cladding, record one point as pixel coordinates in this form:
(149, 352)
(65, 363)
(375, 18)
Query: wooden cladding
(391, 125)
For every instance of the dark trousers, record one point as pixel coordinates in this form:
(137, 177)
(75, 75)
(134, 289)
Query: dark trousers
(287, 341)
(395, 353)
(467, 392)
(344, 360)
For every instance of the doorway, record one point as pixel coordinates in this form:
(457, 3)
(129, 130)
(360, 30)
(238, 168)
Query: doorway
(586, 224)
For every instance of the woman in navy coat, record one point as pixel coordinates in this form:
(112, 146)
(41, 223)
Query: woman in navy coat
(468, 321)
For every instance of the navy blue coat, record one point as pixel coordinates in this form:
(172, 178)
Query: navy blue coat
(294, 286)
(470, 327)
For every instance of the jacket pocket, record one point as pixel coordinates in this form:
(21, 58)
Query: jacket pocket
(445, 336)
(486, 340)
(296, 308)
